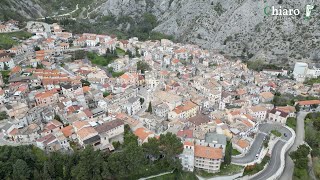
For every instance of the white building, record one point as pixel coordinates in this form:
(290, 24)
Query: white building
(133, 106)
(6, 62)
(300, 71)
(278, 116)
(258, 112)
(187, 157)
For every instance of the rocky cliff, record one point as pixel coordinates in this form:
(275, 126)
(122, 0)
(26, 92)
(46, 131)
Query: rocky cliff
(236, 27)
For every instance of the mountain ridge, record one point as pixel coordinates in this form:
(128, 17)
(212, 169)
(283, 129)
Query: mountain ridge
(238, 28)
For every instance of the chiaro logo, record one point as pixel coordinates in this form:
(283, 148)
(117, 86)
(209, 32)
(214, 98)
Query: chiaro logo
(279, 11)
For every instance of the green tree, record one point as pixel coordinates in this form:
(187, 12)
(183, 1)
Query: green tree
(143, 66)
(20, 170)
(152, 148)
(5, 66)
(117, 165)
(134, 156)
(297, 107)
(129, 138)
(300, 156)
(130, 54)
(314, 106)
(57, 117)
(3, 115)
(141, 101)
(90, 165)
(228, 153)
(37, 48)
(170, 145)
(149, 108)
(316, 124)
(106, 93)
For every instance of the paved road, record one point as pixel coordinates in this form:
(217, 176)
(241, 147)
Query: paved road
(253, 151)
(289, 166)
(61, 15)
(274, 163)
(256, 147)
(66, 71)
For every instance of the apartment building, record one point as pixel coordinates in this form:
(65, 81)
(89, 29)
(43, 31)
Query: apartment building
(204, 158)
(277, 115)
(184, 111)
(46, 98)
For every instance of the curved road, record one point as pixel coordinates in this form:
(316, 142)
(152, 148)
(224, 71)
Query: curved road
(289, 166)
(264, 130)
(274, 163)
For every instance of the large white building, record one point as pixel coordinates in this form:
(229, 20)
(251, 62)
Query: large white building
(301, 71)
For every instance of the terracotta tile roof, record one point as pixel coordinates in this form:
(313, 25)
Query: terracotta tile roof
(142, 133)
(181, 50)
(86, 132)
(175, 61)
(207, 152)
(235, 112)
(309, 102)
(247, 123)
(13, 132)
(249, 116)
(5, 59)
(86, 88)
(187, 143)
(80, 124)
(287, 109)
(241, 91)
(67, 131)
(188, 133)
(258, 108)
(218, 121)
(44, 94)
(47, 139)
(187, 106)
(16, 69)
(56, 123)
(266, 95)
(125, 76)
(88, 112)
(243, 143)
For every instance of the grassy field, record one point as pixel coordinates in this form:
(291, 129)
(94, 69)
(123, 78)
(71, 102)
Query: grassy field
(276, 133)
(235, 152)
(120, 52)
(7, 40)
(101, 60)
(117, 74)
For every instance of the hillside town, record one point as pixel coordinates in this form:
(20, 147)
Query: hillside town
(58, 100)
